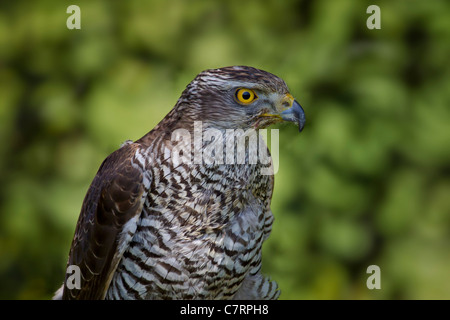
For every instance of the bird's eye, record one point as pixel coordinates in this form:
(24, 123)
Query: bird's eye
(245, 96)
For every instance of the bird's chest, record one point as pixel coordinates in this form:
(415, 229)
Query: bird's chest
(200, 233)
(200, 199)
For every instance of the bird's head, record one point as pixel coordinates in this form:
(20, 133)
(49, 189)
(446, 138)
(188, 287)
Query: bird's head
(239, 97)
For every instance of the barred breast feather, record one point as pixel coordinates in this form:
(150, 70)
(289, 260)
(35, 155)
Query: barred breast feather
(199, 235)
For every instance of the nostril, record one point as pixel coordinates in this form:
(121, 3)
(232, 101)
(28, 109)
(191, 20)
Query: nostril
(286, 104)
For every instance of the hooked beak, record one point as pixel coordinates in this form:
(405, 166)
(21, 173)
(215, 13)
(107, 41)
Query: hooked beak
(295, 114)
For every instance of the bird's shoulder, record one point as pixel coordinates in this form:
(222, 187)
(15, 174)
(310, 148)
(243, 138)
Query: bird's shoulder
(108, 218)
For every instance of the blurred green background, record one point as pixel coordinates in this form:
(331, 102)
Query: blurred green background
(367, 182)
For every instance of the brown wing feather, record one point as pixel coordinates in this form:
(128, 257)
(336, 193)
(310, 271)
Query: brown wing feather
(115, 196)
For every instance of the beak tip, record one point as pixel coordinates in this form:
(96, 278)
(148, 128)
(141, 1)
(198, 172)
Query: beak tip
(295, 114)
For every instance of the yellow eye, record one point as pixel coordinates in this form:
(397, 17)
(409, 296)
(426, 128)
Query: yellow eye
(245, 96)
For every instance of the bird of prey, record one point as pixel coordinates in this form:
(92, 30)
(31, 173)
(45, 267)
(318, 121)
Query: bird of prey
(155, 227)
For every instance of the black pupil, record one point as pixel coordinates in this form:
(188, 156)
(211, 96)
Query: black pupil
(246, 95)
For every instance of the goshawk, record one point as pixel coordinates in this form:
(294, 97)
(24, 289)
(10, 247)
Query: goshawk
(182, 213)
